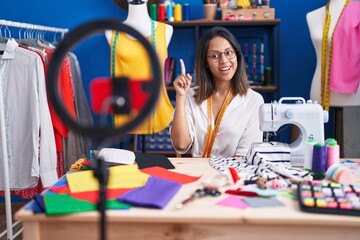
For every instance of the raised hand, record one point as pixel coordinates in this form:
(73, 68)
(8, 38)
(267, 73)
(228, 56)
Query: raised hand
(182, 83)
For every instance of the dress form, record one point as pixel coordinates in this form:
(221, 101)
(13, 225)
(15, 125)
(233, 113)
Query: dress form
(139, 19)
(316, 20)
(129, 59)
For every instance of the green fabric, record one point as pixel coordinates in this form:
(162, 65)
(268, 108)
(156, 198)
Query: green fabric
(56, 204)
(116, 204)
(59, 204)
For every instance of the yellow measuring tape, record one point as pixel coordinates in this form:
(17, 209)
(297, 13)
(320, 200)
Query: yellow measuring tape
(211, 134)
(325, 80)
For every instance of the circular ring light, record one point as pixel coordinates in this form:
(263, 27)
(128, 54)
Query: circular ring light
(68, 42)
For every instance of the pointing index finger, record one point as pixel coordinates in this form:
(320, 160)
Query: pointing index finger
(182, 64)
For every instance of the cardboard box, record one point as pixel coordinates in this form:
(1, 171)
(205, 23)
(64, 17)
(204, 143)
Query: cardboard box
(248, 14)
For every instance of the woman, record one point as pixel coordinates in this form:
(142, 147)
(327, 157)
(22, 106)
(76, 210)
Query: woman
(220, 115)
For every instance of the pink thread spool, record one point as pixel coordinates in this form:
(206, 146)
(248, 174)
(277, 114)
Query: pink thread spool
(332, 154)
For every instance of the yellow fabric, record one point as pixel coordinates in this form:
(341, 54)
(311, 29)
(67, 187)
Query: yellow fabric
(132, 60)
(122, 176)
(77, 165)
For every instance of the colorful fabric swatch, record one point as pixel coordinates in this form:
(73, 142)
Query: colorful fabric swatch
(169, 175)
(91, 196)
(257, 202)
(231, 201)
(59, 204)
(124, 176)
(156, 193)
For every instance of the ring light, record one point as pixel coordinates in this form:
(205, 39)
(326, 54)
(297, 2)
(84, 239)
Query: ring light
(68, 42)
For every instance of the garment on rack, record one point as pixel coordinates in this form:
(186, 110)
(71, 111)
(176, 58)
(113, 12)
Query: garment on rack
(76, 146)
(74, 100)
(132, 60)
(43, 49)
(28, 126)
(67, 96)
(29, 193)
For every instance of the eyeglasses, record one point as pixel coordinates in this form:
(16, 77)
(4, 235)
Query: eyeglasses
(215, 56)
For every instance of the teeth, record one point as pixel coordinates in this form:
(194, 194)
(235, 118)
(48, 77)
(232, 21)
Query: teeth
(225, 69)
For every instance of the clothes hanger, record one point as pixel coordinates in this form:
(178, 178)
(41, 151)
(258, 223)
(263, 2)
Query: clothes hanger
(3, 40)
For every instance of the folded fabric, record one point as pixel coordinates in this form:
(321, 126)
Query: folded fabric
(59, 204)
(91, 196)
(169, 175)
(267, 160)
(118, 156)
(38, 205)
(156, 193)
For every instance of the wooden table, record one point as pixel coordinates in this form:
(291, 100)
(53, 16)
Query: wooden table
(200, 219)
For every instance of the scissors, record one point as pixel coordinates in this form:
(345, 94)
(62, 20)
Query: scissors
(199, 193)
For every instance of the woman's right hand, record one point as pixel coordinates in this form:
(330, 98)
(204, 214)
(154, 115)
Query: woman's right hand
(183, 82)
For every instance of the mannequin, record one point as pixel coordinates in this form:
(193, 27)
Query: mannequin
(138, 18)
(129, 58)
(316, 20)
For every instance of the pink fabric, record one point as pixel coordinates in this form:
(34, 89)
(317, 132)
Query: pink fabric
(345, 65)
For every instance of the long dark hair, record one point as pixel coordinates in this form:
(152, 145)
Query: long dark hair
(203, 76)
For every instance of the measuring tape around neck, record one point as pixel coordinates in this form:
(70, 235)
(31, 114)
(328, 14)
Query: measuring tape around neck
(325, 79)
(211, 134)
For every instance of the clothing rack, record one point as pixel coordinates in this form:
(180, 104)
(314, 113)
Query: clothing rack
(33, 27)
(8, 212)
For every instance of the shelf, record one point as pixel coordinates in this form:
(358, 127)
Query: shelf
(203, 22)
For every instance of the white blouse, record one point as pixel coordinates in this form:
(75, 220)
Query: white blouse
(239, 127)
(27, 116)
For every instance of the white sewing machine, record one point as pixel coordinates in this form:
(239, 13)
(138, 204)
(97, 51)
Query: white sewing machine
(308, 116)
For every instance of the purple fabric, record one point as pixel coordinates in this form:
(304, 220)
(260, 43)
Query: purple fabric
(156, 193)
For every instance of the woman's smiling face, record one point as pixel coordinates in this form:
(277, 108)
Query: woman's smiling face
(223, 69)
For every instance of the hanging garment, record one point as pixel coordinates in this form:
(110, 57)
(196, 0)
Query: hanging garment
(76, 146)
(132, 60)
(345, 67)
(29, 193)
(67, 95)
(27, 119)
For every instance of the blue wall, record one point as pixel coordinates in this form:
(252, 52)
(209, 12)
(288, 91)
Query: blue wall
(297, 53)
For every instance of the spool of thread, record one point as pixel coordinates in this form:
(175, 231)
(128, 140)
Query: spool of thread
(161, 13)
(186, 12)
(153, 11)
(332, 154)
(308, 155)
(319, 159)
(178, 12)
(169, 13)
(329, 140)
(268, 78)
(340, 174)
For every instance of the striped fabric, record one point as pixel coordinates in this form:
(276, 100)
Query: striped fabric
(269, 160)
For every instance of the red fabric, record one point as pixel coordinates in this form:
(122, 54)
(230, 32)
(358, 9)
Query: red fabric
(67, 95)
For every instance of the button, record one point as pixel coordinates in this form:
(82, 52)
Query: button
(289, 114)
